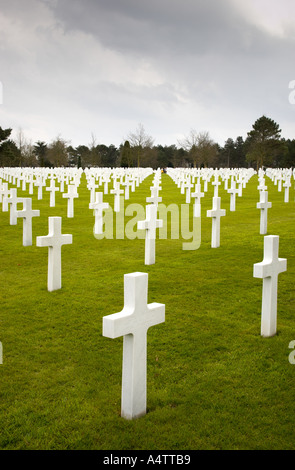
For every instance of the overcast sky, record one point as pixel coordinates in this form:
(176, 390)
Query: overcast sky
(97, 68)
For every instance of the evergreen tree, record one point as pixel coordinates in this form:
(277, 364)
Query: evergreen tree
(264, 142)
(126, 155)
(40, 150)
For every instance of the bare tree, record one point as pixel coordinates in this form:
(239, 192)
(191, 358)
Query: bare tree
(140, 142)
(200, 147)
(58, 153)
(95, 157)
(20, 142)
(28, 155)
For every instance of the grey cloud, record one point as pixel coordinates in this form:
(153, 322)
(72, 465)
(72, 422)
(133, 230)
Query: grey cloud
(162, 27)
(171, 64)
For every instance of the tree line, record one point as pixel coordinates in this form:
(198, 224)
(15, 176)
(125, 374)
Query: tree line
(263, 146)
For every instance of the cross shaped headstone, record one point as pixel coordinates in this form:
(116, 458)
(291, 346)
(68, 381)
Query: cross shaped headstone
(92, 186)
(127, 183)
(268, 270)
(31, 183)
(240, 182)
(52, 188)
(27, 214)
(12, 200)
(132, 323)
(263, 205)
(188, 185)
(286, 185)
(216, 183)
(54, 240)
(24, 182)
(216, 213)
(4, 193)
(71, 195)
(117, 191)
(98, 206)
(154, 198)
(106, 179)
(262, 186)
(233, 191)
(197, 196)
(150, 224)
(40, 183)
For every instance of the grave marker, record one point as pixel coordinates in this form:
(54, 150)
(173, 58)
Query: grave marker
(12, 200)
(54, 241)
(150, 224)
(27, 214)
(71, 195)
(132, 323)
(52, 189)
(98, 206)
(216, 212)
(197, 196)
(263, 205)
(268, 270)
(117, 194)
(233, 191)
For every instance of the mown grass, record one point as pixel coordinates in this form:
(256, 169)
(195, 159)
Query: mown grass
(213, 381)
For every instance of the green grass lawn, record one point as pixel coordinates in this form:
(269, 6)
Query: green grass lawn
(212, 381)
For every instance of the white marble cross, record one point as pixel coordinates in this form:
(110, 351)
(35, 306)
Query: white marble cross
(117, 191)
(132, 323)
(216, 183)
(233, 191)
(92, 186)
(40, 183)
(197, 196)
(12, 200)
(268, 270)
(4, 193)
(106, 180)
(98, 206)
(286, 185)
(127, 183)
(150, 224)
(216, 212)
(52, 188)
(54, 240)
(263, 205)
(240, 182)
(31, 183)
(154, 198)
(27, 214)
(71, 195)
(262, 186)
(188, 185)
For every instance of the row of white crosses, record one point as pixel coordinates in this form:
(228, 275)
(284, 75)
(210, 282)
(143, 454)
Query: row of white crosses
(282, 179)
(38, 176)
(97, 177)
(151, 223)
(184, 181)
(138, 316)
(54, 240)
(10, 199)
